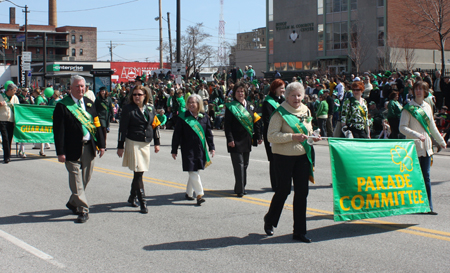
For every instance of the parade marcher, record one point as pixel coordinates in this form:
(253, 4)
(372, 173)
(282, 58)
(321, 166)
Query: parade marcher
(40, 99)
(322, 115)
(105, 110)
(193, 133)
(270, 104)
(355, 112)
(7, 101)
(288, 132)
(138, 127)
(76, 133)
(394, 113)
(241, 132)
(417, 123)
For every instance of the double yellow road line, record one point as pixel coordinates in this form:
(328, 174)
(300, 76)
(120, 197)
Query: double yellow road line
(425, 232)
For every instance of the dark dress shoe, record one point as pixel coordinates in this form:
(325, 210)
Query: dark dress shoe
(6, 161)
(72, 208)
(133, 201)
(188, 197)
(240, 195)
(302, 238)
(268, 229)
(200, 201)
(433, 213)
(83, 217)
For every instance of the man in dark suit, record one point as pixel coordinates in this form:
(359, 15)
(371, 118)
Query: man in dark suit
(76, 133)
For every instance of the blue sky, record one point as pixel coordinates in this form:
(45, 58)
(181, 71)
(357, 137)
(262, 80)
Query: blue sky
(131, 25)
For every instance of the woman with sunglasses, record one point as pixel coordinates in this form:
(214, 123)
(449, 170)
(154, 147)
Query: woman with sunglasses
(138, 127)
(355, 113)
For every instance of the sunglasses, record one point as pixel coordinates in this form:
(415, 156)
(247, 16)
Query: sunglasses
(138, 95)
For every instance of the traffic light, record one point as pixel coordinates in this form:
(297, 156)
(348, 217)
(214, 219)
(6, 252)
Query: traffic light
(5, 42)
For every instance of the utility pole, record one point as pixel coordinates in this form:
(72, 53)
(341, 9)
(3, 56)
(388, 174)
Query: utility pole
(161, 60)
(26, 27)
(170, 40)
(110, 50)
(178, 31)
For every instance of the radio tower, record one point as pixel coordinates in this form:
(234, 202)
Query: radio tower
(222, 57)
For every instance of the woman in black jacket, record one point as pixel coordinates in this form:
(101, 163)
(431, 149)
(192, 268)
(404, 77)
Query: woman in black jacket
(105, 111)
(193, 132)
(242, 131)
(270, 104)
(138, 127)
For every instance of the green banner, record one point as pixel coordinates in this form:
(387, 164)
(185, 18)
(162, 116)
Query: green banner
(34, 123)
(376, 178)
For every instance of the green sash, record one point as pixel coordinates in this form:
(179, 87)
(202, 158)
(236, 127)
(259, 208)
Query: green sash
(82, 116)
(242, 115)
(8, 102)
(272, 102)
(195, 125)
(419, 114)
(104, 105)
(298, 128)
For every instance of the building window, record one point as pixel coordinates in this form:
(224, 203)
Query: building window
(74, 52)
(320, 35)
(329, 6)
(73, 39)
(380, 3)
(338, 5)
(319, 7)
(81, 38)
(336, 35)
(81, 51)
(270, 10)
(38, 50)
(354, 4)
(50, 51)
(380, 28)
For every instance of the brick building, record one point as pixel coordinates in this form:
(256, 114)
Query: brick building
(327, 35)
(67, 43)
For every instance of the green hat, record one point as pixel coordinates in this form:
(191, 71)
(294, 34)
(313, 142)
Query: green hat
(387, 74)
(372, 103)
(6, 84)
(375, 83)
(335, 93)
(320, 93)
(317, 80)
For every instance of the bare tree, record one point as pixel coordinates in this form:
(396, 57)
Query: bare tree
(409, 53)
(194, 51)
(359, 46)
(432, 18)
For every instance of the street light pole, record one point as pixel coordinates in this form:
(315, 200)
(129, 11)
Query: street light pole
(170, 39)
(178, 31)
(160, 37)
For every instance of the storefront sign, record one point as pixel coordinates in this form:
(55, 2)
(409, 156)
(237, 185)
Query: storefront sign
(64, 67)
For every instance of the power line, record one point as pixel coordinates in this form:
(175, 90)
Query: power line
(66, 11)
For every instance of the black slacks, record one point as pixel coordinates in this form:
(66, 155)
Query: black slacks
(240, 164)
(296, 169)
(7, 130)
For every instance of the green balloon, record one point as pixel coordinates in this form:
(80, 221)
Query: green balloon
(6, 84)
(48, 92)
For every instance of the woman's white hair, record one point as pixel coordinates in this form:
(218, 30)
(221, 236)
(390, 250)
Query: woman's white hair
(197, 98)
(75, 78)
(294, 86)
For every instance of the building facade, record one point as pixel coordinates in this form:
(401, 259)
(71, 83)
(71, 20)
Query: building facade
(335, 36)
(250, 49)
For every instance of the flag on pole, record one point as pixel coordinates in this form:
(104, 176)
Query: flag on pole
(376, 178)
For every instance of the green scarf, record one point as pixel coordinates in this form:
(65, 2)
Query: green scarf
(195, 125)
(82, 116)
(419, 114)
(8, 101)
(242, 115)
(298, 128)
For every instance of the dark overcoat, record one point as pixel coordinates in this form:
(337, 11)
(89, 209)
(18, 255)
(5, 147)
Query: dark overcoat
(192, 152)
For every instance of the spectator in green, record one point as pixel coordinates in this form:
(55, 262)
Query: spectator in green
(322, 115)
(162, 118)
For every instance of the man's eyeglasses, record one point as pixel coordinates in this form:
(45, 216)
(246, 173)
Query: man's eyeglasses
(138, 95)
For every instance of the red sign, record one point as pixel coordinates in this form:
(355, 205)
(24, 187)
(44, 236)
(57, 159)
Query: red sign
(127, 71)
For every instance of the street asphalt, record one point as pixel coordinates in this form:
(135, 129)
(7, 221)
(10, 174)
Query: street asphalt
(39, 234)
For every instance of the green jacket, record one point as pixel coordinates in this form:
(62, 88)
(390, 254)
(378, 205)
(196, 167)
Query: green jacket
(322, 110)
(394, 109)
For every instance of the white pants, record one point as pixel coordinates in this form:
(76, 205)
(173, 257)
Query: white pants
(194, 184)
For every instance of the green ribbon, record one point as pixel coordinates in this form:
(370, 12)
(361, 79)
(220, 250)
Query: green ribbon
(198, 129)
(242, 115)
(82, 116)
(8, 101)
(299, 128)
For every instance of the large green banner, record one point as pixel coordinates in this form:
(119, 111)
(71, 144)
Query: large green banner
(376, 178)
(34, 123)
